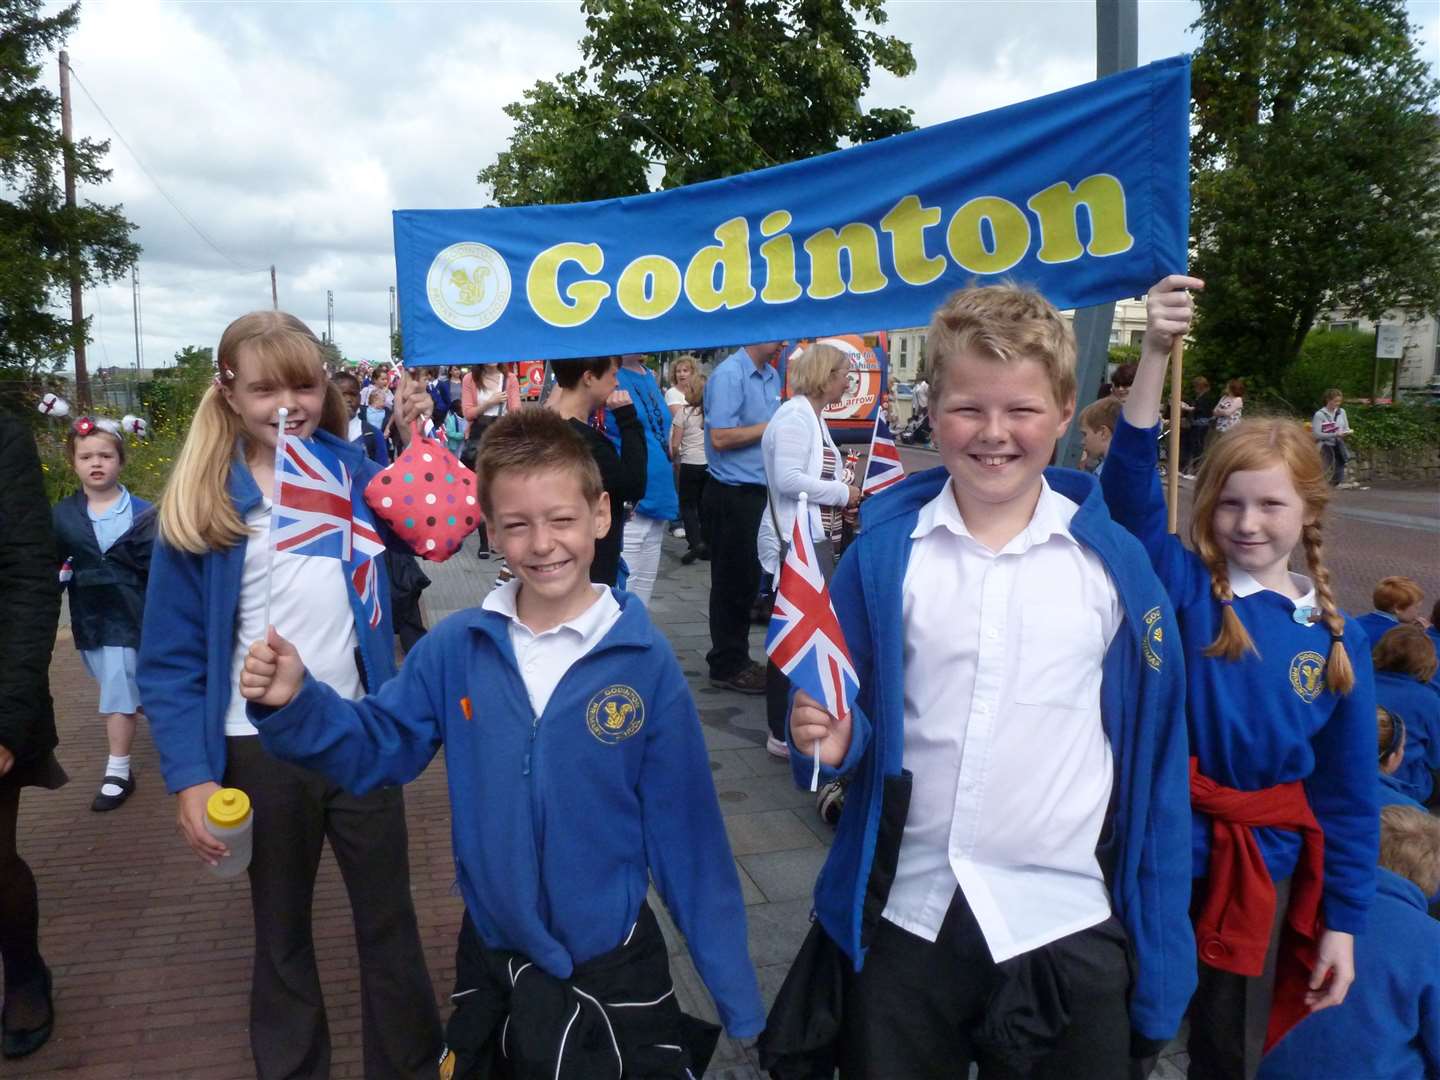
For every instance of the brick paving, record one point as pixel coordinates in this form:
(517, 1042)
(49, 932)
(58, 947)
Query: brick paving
(151, 956)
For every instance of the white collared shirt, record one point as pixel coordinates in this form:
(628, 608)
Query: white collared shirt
(545, 657)
(1243, 584)
(1012, 769)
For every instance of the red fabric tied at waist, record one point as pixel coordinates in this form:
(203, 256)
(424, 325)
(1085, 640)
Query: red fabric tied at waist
(1233, 931)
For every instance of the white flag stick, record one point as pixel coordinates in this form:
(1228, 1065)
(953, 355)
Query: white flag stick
(274, 500)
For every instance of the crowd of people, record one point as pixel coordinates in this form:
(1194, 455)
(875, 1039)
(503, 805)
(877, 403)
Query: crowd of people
(1095, 781)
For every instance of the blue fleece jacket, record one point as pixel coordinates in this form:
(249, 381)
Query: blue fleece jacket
(1376, 625)
(1264, 719)
(559, 821)
(1143, 851)
(188, 638)
(1419, 706)
(1388, 1027)
(1391, 793)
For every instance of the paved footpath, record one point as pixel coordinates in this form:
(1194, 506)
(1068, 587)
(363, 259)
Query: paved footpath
(151, 956)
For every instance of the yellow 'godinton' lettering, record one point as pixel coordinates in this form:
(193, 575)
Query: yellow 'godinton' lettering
(906, 223)
(732, 258)
(648, 287)
(862, 247)
(779, 254)
(1010, 235)
(1057, 208)
(542, 284)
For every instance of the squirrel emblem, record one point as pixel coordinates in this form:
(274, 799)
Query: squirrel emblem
(616, 716)
(471, 285)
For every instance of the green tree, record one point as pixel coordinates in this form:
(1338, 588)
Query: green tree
(42, 242)
(1342, 359)
(1316, 173)
(698, 89)
(171, 395)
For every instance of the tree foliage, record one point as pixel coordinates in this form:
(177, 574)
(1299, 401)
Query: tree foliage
(1342, 359)
(42, 242)
(1316, 173)
(698, 89)
(171, 396)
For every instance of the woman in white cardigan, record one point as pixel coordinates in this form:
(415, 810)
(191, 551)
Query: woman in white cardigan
(800, 456)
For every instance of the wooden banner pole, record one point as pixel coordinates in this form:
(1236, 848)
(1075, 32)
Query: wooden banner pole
(1172, 473)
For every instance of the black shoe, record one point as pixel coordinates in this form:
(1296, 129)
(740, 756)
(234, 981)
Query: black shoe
(483, 553)
(689, 557)
(18, 1044)
(705, 552)
(748, 680)
(105, 802)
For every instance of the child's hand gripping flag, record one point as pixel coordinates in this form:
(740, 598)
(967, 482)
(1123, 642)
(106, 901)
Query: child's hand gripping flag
(882, 467)
(804, 639)
(315, 514)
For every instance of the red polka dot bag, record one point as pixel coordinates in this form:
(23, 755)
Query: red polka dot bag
(427, 497)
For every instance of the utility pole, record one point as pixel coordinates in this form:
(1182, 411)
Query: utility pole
(139, 357)
(330, 315)
(77, 309)
(1117, 25)
(274, 293)
(394, 322)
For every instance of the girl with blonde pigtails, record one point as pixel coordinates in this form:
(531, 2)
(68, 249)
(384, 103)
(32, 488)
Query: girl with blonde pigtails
(1280, 703)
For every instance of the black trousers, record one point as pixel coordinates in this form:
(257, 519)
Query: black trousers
(916, 1010)
(295, 812)
(691, 490)
(19, 901)
(1333, 455)
(732, 518)
(1230, 1014)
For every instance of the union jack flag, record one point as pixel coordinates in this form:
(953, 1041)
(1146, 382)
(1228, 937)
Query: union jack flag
(804, 639)
(883, 467)
(314, 514)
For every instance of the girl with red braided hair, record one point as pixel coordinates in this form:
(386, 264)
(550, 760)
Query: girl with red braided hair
(1281, 714)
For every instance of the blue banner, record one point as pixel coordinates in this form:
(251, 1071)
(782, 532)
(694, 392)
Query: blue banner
(1083, 194)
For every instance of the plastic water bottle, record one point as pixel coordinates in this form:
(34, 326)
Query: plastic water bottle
(230, 820)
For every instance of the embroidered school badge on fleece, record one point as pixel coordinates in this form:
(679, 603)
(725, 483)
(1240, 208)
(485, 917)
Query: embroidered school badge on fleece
(1307, 675)
(614, 714)
(1153, 638)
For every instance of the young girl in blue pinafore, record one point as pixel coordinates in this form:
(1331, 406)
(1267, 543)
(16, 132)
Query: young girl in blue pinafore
(103, 536)
(208, 588)
(1281, 716)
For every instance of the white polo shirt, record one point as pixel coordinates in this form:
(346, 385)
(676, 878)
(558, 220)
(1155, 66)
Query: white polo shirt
(545, 657)
(1012, 769)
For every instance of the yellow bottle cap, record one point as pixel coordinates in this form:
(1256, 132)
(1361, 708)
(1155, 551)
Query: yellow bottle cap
(228, 807)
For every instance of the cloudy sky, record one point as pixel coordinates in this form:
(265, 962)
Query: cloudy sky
(287, 132)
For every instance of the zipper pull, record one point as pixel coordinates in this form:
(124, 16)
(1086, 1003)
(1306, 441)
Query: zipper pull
(525, 770)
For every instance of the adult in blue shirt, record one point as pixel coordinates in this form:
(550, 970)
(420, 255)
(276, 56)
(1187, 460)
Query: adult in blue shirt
(740, 397)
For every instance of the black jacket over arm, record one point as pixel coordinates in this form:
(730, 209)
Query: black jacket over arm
(623, 476)
(29, 598)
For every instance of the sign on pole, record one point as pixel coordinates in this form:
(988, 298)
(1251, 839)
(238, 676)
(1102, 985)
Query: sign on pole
(1389, 341)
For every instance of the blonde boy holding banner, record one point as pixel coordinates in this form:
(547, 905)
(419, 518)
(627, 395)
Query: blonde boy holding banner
(1009, 880)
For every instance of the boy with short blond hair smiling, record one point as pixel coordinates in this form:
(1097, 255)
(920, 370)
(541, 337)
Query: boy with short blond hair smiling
(1018, 818)
(577, 772)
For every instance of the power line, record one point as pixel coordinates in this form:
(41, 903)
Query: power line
(158, 187)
